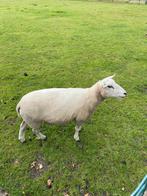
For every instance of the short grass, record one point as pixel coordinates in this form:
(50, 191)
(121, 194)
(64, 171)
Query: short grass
(74, 44)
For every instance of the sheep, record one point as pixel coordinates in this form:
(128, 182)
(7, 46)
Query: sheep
(61, 105)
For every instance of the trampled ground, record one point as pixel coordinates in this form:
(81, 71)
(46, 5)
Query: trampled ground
(52, 43)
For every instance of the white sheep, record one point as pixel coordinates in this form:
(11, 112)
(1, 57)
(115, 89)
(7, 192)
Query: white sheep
(61, 105)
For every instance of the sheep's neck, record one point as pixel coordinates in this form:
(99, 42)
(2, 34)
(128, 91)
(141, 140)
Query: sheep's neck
(94, 98)
(96, 91)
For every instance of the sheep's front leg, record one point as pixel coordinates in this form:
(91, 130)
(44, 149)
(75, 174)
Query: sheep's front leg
(39, 134)
(77, 130)
(22, 129)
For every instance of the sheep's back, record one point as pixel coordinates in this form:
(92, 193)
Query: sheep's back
(53, 105)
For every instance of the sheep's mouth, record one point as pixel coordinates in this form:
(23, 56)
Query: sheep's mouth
(121, 97)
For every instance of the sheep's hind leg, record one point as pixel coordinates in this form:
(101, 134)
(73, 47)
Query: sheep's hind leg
(77, 130)
(39, 134)
(22, 129)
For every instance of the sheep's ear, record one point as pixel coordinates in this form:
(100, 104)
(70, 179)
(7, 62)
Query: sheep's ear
(112, 76)
(109, 77)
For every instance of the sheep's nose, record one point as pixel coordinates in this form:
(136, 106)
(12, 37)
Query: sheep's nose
(125, 93)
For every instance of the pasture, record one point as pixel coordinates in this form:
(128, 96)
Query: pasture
(52, 43)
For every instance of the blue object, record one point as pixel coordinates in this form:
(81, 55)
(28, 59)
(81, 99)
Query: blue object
(142, 187)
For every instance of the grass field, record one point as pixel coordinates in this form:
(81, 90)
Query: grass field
(52, 43)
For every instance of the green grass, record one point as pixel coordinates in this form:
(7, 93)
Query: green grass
(74, 44)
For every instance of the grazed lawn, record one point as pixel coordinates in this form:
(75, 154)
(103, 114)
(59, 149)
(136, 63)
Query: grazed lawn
(74, 44)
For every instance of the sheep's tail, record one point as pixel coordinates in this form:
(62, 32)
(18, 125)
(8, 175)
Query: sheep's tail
(18, 110)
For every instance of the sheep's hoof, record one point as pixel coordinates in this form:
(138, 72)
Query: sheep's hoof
(77, 139)
(43, 137)
(22, 140)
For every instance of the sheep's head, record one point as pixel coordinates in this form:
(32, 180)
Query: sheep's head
(109, 88)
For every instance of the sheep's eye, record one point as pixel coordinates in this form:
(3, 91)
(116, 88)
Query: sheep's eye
(109, 86)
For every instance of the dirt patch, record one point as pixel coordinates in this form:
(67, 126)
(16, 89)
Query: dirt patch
(83, 190)
(3, 192)
(71, 165)
(38, 166)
